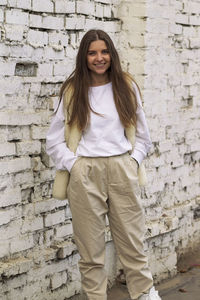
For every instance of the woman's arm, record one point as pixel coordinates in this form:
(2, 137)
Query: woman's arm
(56, 146)
(142, 137)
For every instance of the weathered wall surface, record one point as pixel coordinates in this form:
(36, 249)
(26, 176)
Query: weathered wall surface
(165, 60)
(159, 44)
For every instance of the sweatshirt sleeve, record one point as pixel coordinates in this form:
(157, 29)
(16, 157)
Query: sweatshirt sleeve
(56, 146)
(142, 137)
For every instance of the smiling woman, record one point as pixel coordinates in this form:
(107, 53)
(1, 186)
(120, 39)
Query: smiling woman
(98, 62)
(97, 139)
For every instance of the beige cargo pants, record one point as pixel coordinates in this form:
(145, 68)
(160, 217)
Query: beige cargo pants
(100, 186)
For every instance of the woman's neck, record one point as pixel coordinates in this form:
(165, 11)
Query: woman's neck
(99, 80)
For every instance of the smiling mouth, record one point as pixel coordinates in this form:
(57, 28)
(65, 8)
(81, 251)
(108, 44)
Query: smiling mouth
(100, 65)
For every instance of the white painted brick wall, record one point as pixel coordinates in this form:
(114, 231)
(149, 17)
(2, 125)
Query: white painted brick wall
(44, 6)
(14, 16)
(7, 149)
(62, 6)
(55, 218)
(20, 243)
(37, 38)
(14, 165)
(159, 44)
(14, 32)
(85, 7)
(7, 68)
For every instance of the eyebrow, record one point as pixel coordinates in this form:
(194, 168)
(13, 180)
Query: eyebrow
(95, 50)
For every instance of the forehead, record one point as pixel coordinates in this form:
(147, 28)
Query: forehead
(97, 45)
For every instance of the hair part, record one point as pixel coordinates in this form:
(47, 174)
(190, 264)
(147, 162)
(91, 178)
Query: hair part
(80, 80)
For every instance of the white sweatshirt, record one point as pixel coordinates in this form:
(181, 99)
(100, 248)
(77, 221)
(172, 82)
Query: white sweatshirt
(105, 134)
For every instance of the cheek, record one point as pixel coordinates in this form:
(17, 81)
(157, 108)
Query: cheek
(89, 61)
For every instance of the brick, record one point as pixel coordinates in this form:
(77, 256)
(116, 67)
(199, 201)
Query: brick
(64, 7)
(44, 6)
(60, 38)
(16, 282)
(7, 149)
(57, 266)
(4, 50)
(7, 68)
(54, 218)
(60, 69)
(8, 88)
(111, 26)
(5, 217)
(48, 237)
(54, 53)
(10, 197)
(175, 29)
(16, 266)
(13, 118)
(46, 160)
(24, 179)
(75, 23)
(28, 147)
(39, 132)
(194, 43)
(14, 32)
(12, 3)
(182, 19)
(58, 280)
(24, 4)
(64, 230)
(32, 224)
(37, 38)
(45, 69)
(35, 21)
(85, 8)
(51, 22)
(99, 11)
(48, 205)
(36, 164)
(3, 2)
(195, 146)
(194, 20)
(4, 248)
(15, 165)
(1, 16)
(107, 11)
(26, 69)
(21, 243)
(15, 16)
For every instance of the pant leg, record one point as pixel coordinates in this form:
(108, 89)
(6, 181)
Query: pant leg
(127, 223)
(87, 198)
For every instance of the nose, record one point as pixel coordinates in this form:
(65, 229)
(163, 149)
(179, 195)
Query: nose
(99, 56)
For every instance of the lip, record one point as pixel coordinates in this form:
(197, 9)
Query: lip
(99, 65)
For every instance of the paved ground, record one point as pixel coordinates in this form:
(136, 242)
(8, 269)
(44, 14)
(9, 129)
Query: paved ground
(185, 286)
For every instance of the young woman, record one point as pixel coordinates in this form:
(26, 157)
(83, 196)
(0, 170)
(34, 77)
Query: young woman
(98, 139)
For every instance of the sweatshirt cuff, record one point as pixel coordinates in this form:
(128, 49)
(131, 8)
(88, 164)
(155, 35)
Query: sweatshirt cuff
(138, 156)
(68, 164)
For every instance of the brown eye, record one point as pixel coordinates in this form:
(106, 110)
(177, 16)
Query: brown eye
(91, 53)
(105, 51)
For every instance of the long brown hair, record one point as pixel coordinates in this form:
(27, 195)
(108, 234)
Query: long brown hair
(80, 81)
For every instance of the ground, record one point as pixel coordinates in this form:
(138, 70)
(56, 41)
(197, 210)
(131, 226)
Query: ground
(184, 286)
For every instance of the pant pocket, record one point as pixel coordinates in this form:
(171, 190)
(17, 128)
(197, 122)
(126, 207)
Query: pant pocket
(76, 169)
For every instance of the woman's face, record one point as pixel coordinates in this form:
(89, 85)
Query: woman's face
(98, 58)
